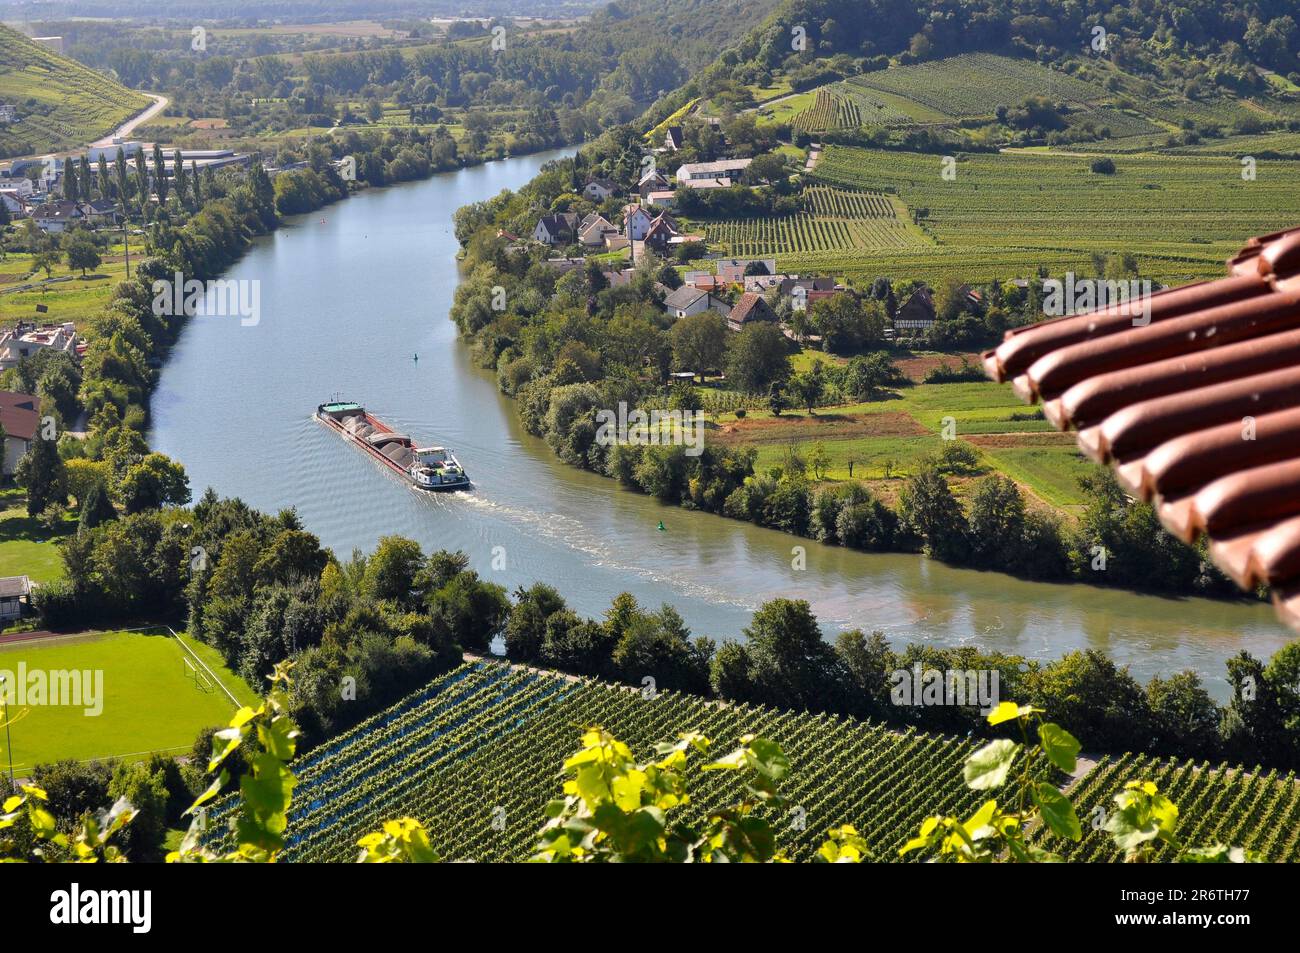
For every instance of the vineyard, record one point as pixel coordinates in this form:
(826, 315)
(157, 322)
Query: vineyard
(850, 105)
(833, 221)
(1260, 812)
(477, 754)
(975, 84)
(1006, 214)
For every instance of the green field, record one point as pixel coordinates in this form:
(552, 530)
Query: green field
(149, 704)
(71, 104)
(27, 548)
(887, 439)
(1005, 214)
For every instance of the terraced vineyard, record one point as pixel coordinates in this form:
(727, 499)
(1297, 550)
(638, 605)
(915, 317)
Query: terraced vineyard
(1258, 811)
(477, 754)
(1005, 214)
(61, 102)
(834, 221)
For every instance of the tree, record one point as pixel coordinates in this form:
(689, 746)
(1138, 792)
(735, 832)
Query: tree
(868, 376)
(699, 342)
(807, 388)
(997, 524)
(154, 482)
(161, 182)
(81, 252)
(791, 664)
(96, 508)
(391, 570)
(46, 259)
(41, 473)
(928, 506)
(670, 277)
(757, 358)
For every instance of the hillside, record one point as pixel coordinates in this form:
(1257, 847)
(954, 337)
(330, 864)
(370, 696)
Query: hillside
(476, 755)
(61, 104)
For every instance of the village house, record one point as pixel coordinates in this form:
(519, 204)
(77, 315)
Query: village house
(732, 270)
(711, 174)
(597, 190)
(750, 308)
(686, 301)
(673, 138)
(558, 229)
(102, 212)
(917, 312)
(802, 297)
(8, 113)
(705, 281)
(24, 340)
(636, 222)
(54, 218)
(652, 180)
(593, 229)
(661, 232)
(21, 419)
(663, 199)
(15, 203)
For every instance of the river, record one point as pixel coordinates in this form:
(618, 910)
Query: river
(350, 294)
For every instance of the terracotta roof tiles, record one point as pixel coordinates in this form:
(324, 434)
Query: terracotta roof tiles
(1198, 409)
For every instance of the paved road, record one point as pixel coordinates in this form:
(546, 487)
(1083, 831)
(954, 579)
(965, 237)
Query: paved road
(124, 130)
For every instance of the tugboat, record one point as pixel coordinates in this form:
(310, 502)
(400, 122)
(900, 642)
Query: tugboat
(427, 468)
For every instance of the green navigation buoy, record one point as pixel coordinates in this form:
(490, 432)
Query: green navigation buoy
(662, 527)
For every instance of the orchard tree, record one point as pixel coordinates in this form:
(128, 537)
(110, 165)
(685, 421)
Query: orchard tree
(80, 251)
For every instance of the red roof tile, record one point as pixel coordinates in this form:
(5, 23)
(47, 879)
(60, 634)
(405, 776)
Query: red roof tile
(1198, 409)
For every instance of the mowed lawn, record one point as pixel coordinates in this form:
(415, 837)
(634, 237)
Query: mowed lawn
(27, 548)
(149, 702)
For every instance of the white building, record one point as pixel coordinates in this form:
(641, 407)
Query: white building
(705, 174)
(26, 339)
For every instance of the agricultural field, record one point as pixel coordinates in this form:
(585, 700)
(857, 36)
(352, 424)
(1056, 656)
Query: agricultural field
(1252, 809)
(1005, 214)
(73, 104)
(975, 84)
(68, 297)
(833, 221)
(477, 754)
(850, 105)
(886, 439)
(150, 699)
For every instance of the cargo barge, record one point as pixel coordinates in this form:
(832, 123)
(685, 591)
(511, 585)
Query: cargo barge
(427, 468)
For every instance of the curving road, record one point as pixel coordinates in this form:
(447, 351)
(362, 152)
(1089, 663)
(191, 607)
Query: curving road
(124, 130)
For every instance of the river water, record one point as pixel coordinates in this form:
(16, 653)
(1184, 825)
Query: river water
(351, 294)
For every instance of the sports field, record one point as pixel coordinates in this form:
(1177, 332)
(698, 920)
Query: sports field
(150, 701)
